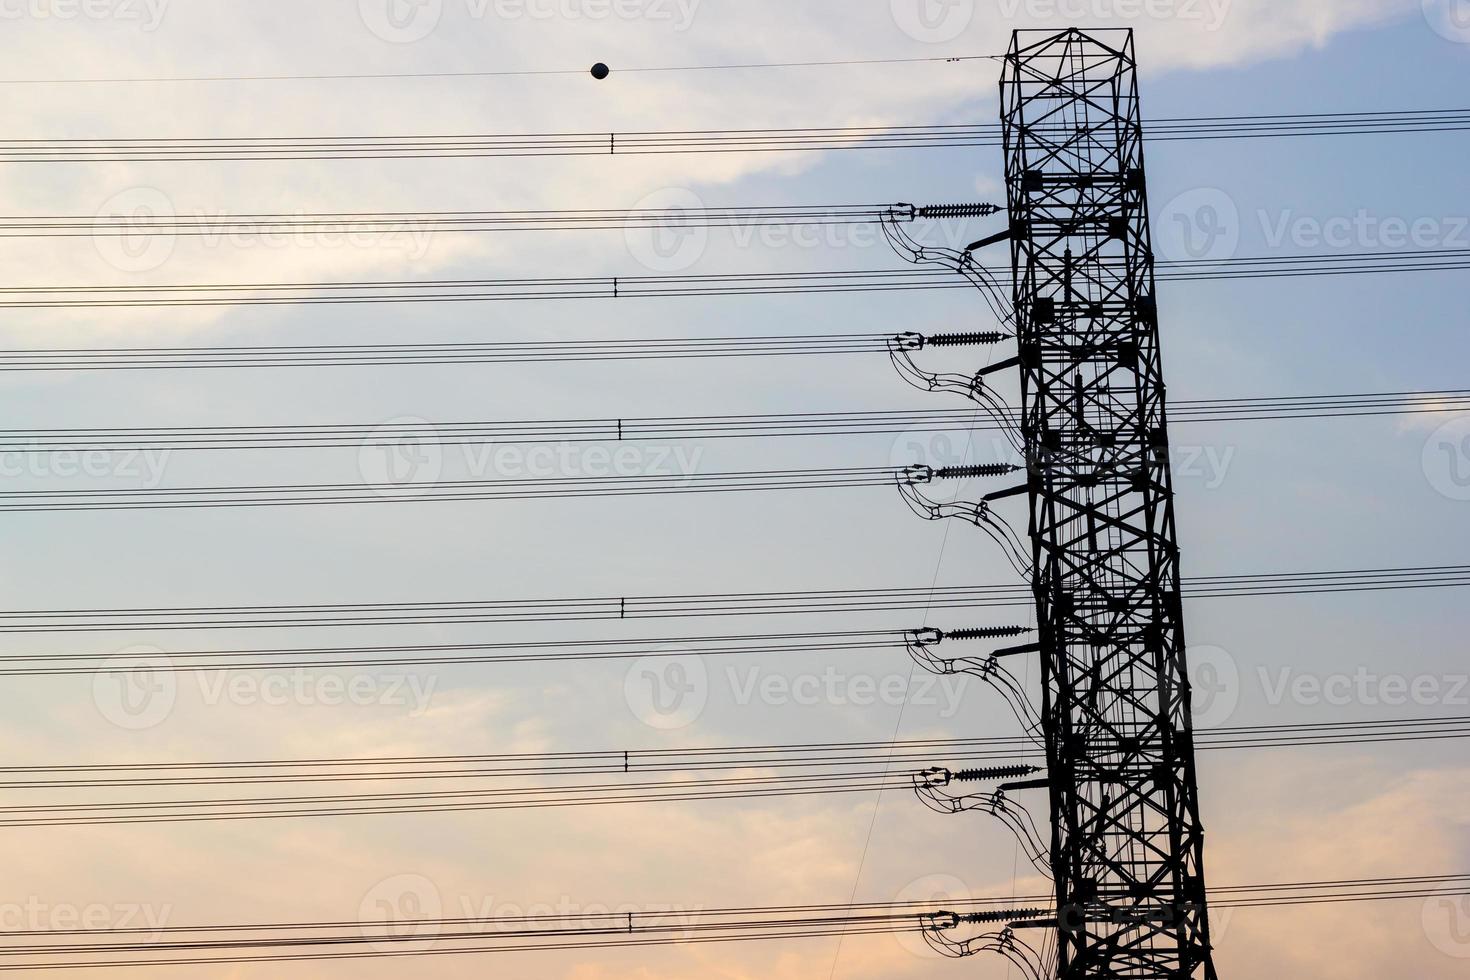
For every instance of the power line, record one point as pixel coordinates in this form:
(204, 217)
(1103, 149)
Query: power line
(329, 940)
(687, 285)
(674, 760)
(324, 436)
(471, 290)
(449, 654)
(740, 774)
(509, 352)
(640, 762)
(476, 145)
(743, 788)
(501, 610)
(543, 488)
(423, 222)
(499, 352)
(610, 930)
(492, 145)
(508, 73)
(692, 606)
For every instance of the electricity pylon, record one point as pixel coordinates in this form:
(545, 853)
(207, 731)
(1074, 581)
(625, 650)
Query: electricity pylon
(1126, 845)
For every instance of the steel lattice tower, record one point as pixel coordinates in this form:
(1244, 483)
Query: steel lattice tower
(1126, 845)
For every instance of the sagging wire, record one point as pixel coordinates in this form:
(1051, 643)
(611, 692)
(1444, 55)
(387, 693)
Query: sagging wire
(931, 788)
(978, 513)
(921, 646)
(1004, 942)
(931, 785)
(973, 387)
(901, 347)
(955, 260)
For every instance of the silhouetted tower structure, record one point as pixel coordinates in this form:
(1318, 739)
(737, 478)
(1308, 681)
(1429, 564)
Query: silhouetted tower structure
(1126, 839)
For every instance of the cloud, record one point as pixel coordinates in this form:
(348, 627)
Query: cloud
(474, 35)
(793, 851)
(1351, 819)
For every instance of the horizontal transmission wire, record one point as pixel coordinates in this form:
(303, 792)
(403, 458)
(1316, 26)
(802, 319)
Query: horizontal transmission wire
(353, 435)
(695, 141)
(449, 654)
(311, 941)
(692, 606)
(348, 222)
(688, 285)
(643, 761)
(442, 491)
(498, 352)
(506, 73)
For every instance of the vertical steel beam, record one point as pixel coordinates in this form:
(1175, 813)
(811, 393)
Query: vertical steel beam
(1126, 844)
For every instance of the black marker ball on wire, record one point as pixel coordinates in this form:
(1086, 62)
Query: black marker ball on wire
(600, 71)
